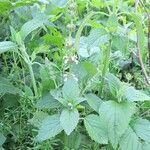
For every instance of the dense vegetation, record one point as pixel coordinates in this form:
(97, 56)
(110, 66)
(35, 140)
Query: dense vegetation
(75, 74)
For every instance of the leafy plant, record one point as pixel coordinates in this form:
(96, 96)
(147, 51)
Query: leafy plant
(74, 75)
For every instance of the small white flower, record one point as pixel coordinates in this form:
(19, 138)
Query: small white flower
(70, 106)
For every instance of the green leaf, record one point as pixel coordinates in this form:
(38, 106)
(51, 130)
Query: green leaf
(94, 101)
(113, 83)
(97, 37)
(145, 146)
(31, 25)
(7, 46)
(117, 117)
(7, 87)
(59, 3)
(130, 141)
(131, 94)
(47, 102)
(120, 43)
(2, 139)
(96, 128)
(112, 23)
(142, 129)
(69, 120)
(49, 128)
(140, 31)
(37, 119)
(84, 70)
(70, 89)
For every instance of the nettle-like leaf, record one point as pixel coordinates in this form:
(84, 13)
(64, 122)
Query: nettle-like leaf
(70, 89)
(33, 24)
(38, 118)
(94, 101)
(114, 84)
(112, 23)
(47, 102)
(50, 127)
(130, 141)
(117, 117)
(69, 120)
(137, 136)
(7, 87)
(7, 46)
(142, 129)
(96, 128)
(84, 70)
(124, 91)
(131, 94)
(90, 45)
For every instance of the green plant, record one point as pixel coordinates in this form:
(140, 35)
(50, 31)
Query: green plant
(74, 75)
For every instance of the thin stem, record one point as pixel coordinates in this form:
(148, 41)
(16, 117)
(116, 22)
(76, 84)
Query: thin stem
(29, 63)
(105, 67)
(142, 64)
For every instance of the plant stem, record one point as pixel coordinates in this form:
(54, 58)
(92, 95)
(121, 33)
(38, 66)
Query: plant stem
(29, 63)
(105, 67)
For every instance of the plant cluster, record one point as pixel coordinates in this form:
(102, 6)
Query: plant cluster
(75, 74)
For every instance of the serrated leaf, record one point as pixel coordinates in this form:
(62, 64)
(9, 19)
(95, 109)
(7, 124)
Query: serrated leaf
(37, 119)
(131, 94)
(94, 101)
(70, 89)
(69, 120)
(47, 102)
(117, 116)
(31, 25)
(7, 46)
(113, 83)
(112, 23)
(2, 139)
(96, 128)
(49, 128)
(142, 129)
(130, 141)
(7, 87)
(97, 37)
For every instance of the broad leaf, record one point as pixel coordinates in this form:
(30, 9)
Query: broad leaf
(117, 117)
(112, 23)
(94, 101)
(7, 87)
(31, 25)
(114, 84)
(97, 37)
(49, 128)
(7, 46)
(130, 141)
(96, 129)
(37, 119)
(69, 120)
(131, 94)
(142, 129)
(70, 89)
(47, 102)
